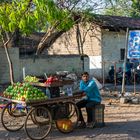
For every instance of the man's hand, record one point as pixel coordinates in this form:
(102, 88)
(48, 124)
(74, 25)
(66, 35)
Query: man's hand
(79, 92)
(83, 94)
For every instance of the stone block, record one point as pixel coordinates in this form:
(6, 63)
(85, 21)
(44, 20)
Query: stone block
(135, 100)
(123, 100)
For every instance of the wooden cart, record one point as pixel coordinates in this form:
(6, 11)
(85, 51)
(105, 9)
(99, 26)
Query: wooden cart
(38, 117)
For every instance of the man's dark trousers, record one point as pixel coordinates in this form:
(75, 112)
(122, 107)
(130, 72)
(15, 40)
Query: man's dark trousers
(90, 109)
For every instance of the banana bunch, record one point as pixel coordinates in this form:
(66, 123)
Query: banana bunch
(31, 79)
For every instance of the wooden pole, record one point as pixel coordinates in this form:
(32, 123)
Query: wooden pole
(103, 73)
(115, 82)
(124, 65)
(134, 82)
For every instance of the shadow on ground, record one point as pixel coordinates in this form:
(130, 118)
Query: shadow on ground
(118, 130)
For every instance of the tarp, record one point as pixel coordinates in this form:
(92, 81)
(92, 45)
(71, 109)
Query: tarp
(99, 85)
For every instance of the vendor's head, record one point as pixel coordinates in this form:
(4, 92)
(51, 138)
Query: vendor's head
(85, 76)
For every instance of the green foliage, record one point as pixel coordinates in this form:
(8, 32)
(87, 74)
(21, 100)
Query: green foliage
(135, 8)
(129, 8)
(32, 16)
(39, 15)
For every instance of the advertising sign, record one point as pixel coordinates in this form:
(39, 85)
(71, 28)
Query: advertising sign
(134, 44)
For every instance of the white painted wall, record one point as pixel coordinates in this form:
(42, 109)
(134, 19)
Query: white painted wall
(95, 66)
(112, 42)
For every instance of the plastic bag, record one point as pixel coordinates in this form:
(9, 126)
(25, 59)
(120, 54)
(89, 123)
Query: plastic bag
(99, 85)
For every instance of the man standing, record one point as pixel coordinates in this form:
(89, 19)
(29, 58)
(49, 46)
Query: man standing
(111, 74)
(92, 99)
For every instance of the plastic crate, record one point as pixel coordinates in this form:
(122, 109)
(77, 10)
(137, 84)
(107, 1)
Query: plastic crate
(54, 92)
(98, 114)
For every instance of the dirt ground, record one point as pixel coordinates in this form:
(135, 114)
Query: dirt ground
(122, 123)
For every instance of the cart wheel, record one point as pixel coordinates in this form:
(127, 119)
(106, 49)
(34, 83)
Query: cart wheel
(68, 124)
(38, 123)
(13, 116)
(34, 117)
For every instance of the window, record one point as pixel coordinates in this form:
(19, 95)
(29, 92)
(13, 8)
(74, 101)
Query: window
(122, 54)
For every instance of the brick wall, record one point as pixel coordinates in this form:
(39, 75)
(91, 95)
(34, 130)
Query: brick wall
(67, 43)
(41, 65)
(63, 56)
(51, 64)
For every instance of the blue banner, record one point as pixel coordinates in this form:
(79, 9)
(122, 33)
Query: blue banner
(134, 44)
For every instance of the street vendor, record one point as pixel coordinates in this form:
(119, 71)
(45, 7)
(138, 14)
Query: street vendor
(92, 98)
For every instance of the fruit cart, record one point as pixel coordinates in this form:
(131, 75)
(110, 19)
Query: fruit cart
(38, 116)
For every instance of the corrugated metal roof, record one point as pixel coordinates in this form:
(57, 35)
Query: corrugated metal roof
(117, 21)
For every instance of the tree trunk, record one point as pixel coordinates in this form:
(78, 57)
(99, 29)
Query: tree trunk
(80, 45)
(47, 40)
(14, 39)
(80, 42)
(9, 63)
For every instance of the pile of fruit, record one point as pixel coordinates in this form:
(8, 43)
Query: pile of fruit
(31, 79)
(24, 92)
(51, 79)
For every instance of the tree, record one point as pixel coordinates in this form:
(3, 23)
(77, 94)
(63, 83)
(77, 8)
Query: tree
(27, 16)
(11, 20)
(118, 7)
(76, 10)
(130, 8)
(54, 17)
(135, 8)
